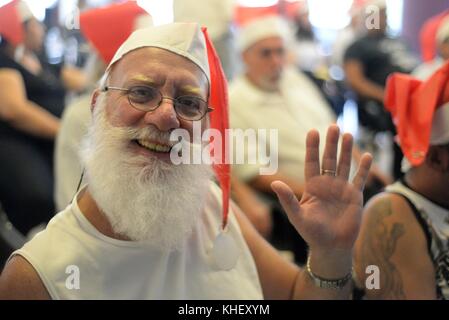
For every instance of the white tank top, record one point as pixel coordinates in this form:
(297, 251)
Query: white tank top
(114, 269)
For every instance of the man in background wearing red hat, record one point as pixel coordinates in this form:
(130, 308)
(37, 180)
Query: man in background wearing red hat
(105, 36)
(144, 228)
(405, 230)
(441, 42)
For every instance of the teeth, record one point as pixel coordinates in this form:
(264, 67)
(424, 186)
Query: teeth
(153, 146)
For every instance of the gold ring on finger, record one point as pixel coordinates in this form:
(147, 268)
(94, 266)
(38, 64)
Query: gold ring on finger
(328, 172)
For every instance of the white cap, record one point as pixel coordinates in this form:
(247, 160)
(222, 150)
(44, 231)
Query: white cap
(184, 39)
(260, 29)
(24, 11)
(143, 21)
(440, 126)
(443, 31)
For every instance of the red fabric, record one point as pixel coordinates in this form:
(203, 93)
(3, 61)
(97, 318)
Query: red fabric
(357, 6)
(359, 3)
(108, 27)
(219, 119)
(291, 9)
(428, 34)
(412, 104)
(243, 15)
(10, 26)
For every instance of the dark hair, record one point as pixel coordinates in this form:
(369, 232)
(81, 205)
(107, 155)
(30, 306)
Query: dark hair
(3, 43)
(441, 147)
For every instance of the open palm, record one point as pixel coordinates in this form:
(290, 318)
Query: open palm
(329, 213)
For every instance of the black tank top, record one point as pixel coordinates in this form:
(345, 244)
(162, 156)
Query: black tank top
(44, 89)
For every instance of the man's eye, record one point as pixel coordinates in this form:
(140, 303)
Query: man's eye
(190, 102)
(142, 94)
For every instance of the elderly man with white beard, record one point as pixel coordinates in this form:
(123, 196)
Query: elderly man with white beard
(144, 228)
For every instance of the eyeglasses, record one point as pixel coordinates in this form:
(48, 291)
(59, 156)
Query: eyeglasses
(146, 98)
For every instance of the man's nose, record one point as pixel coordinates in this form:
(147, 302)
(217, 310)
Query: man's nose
(164, 117)
(277, 59)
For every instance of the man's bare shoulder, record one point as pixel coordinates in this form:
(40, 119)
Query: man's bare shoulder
(391, 214)
(387, 203)
(392, 239)
(20, 281)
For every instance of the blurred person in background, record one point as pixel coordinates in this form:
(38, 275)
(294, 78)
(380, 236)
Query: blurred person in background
(367, 64)
(308, 54)
(346, 36)
(284, 94)
(274, 95)
(338, 91)
(405, 230)
(217, 16)
(31, 102)
(426, 69)
(105, 36)
(271, 95)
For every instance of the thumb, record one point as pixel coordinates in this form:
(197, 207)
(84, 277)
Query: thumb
(287, 199)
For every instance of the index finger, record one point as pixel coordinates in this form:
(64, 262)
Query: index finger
(312, 164)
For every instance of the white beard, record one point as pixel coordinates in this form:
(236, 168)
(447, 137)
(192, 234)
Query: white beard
(144, 199)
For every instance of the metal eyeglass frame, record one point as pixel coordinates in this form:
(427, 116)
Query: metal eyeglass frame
(127, 90)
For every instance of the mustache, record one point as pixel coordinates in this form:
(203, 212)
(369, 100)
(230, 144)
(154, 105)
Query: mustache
(149, 133)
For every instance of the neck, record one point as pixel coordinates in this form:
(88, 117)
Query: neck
(257, 84)
(431, 186)
(95, 216)
(9, 51)
(376, 33)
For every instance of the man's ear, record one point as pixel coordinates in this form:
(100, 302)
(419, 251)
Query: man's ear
(93, 99)
(438, 158)
(245, 55)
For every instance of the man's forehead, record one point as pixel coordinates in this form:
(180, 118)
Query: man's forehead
(147, 55)
(143, 63)
(270, 42)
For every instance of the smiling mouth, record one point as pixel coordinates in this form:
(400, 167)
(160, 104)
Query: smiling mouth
(153, 146)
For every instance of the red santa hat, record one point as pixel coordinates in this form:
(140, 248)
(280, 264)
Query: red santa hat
(12, 17)
(192, 42)
(420, 110)
(106, 28)
(428, 35)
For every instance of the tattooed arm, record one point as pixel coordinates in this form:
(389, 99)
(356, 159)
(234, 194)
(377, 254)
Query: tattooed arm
(392, 240)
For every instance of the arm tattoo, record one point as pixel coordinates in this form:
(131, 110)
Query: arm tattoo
(379, 246)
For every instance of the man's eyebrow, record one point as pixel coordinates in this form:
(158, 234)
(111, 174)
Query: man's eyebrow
(143, 79)
(188, 89)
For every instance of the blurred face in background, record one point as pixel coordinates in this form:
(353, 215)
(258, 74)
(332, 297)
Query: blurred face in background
(443, 49)
(34, 34)
(265, 62)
